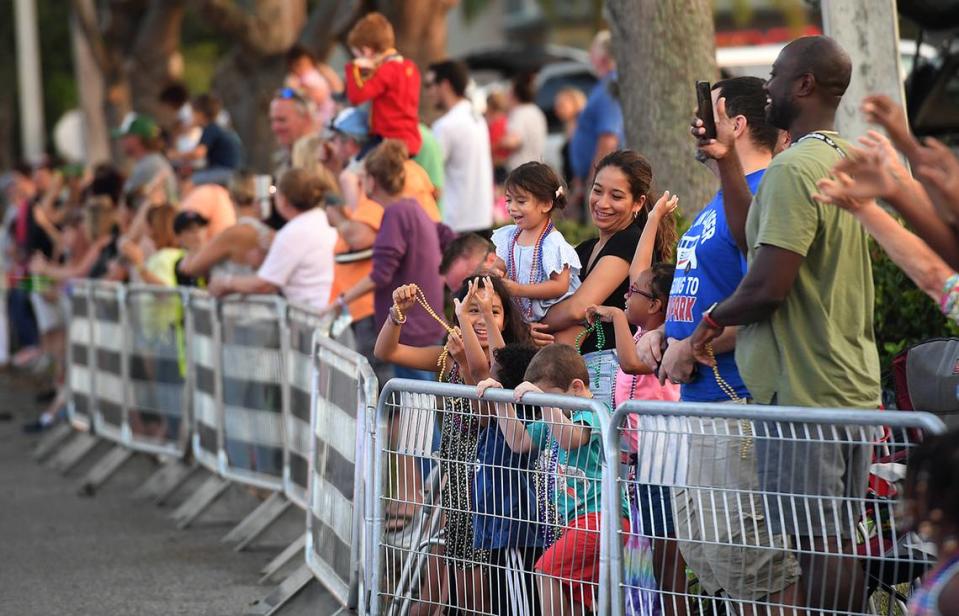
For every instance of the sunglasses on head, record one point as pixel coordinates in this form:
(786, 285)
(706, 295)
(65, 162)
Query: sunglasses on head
(287, 94)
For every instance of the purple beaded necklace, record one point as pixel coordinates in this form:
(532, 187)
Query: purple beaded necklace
(536, 273)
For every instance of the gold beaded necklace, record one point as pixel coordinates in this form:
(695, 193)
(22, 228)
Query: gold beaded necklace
(730, 391)
(420, 298)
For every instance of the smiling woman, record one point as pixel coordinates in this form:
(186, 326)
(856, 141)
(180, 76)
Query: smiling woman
(618, 205)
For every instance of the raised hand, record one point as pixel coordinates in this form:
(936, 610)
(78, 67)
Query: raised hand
(863, 176)
(940, 170)
(880, 109)
(725, 141)
(484, 296)
(462, 308)
(404, 297)
(664, 206)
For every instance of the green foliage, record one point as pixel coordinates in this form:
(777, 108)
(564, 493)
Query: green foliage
(904, 314)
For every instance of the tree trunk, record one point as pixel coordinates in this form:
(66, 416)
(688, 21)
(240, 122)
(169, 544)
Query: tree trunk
(90, 90)
(151, 64)
(420, 28)
(662, 49)
(247, 77)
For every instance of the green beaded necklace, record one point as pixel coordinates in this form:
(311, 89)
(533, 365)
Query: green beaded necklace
(597, 327)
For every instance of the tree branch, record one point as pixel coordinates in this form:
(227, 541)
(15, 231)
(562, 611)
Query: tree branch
(328, 22)
(86, 21)
(271, 29)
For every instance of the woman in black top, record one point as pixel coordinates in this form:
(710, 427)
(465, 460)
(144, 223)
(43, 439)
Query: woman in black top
(619, 205)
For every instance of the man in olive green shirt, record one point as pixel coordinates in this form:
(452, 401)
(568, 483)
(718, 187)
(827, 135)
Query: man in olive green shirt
(806, 311)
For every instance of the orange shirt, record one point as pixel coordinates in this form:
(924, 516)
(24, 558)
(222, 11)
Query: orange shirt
(211, 201)
(345, 275)
(418, 186)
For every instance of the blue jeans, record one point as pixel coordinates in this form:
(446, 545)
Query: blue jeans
(22, 321)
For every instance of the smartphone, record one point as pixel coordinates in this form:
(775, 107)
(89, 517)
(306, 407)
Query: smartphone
(705, 110)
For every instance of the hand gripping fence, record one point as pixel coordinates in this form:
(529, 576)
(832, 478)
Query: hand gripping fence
(492, 521)
(779, 510)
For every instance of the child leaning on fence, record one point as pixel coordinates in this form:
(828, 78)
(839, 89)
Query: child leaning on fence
(572, 446)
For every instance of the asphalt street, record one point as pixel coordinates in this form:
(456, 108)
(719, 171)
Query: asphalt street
(66, 554)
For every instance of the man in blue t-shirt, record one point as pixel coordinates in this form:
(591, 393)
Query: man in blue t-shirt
(599, 128)
(709, 267)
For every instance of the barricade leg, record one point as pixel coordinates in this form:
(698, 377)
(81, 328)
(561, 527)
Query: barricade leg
(104, 469)
(165, 481)
(200, 501)
(71, 455)
(51, 441)
(283, 558)
(253, 525)
(282, 593)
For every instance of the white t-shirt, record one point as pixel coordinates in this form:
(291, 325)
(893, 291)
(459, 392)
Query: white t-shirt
(527, 122)
(468, 164)
(300, 260)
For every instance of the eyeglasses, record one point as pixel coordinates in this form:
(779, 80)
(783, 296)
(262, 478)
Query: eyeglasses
(633, 289)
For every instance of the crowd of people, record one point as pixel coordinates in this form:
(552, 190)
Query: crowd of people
(376, 219)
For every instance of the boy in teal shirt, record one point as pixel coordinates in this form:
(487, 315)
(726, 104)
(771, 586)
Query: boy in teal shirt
(570, 499)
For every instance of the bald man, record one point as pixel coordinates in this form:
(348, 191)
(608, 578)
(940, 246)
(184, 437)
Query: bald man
(805, 308)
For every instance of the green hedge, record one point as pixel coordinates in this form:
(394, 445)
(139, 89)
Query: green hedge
(904, 314)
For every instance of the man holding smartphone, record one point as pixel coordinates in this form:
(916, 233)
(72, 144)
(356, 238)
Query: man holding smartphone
(805, 308)
(709, 267)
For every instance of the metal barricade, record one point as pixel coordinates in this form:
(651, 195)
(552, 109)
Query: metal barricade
(80, 366)
(511, 520)
(301, 323)
(754, 509)
(344, 391)
(109, 333)
(157, 411)
(203, 335)
(253, 390)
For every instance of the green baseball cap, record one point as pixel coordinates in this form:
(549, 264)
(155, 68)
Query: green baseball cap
(139, 125)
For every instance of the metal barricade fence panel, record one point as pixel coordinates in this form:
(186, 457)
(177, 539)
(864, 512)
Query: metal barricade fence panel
(156, 390)
(344, 391)
(301, 324)
(109, 330)
(203, 334)
(80, 366)
(779, 510)
(510, 521)
(253, 384)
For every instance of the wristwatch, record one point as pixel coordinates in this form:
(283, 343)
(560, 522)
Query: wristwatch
(708, 317)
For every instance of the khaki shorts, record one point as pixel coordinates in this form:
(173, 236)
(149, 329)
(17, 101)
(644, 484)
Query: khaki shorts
(720, 518)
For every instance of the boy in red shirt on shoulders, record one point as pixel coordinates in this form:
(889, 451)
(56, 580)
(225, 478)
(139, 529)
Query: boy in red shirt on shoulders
(381, 75)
